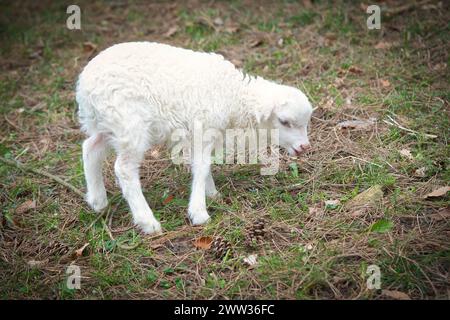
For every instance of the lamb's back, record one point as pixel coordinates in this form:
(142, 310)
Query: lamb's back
(167, 75)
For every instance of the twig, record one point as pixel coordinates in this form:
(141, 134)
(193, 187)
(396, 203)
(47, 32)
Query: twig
(394, 123)
(57, 179)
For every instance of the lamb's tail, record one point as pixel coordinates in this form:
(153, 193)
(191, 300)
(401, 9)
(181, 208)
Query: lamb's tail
(86, 111)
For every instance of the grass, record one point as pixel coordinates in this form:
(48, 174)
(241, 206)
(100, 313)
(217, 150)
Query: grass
(311, 250)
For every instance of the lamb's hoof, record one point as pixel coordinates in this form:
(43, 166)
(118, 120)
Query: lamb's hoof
(152, 226)
(97, 203)
(198, 217)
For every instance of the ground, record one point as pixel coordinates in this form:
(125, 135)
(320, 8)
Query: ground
(318, 242)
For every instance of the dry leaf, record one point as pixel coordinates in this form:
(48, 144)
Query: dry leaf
(218, 21)
(384, 83)
(79, 252)
(421, 172)
(171, 32)
(251, 260)
(383, 45)
(366, 198)
(356, 124)
(89, 47)
(256, 41)
(231, 27)
(26, 206)
(168, 199)
(394, 294)
(440, 192)
(406, 153)
(203, 243)
(355, 70)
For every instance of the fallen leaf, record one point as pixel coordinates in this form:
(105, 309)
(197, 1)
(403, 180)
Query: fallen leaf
(168, 199)
(232, 27)
(171, 32)
(89, 47)
(251, 260)
(332, 204)
(385, 83)
(203, 243)
(218, 21)
(421, 172)
(406, 153)
(355, 70)
(382, 226)
(256, 41)
(394, 294)
(26, 206)
(356, 125)
(383, 45)
(366, 198)
(439, 192)
(79, 252)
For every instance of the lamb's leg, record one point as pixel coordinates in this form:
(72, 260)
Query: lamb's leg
(211, 190)
(201, 166)
(127, 171)
(94, 153)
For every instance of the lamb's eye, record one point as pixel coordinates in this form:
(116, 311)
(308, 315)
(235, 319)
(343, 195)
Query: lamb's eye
(284, 122)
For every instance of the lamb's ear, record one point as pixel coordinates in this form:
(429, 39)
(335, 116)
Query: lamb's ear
(268, 108)
(264, 113)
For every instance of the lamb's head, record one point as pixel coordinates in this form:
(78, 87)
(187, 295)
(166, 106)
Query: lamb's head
(288, 110)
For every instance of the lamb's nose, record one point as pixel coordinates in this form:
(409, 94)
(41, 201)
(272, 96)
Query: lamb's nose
(305, 147)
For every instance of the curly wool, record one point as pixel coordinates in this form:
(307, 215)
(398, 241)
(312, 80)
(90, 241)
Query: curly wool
(159, 88)
(134, 95)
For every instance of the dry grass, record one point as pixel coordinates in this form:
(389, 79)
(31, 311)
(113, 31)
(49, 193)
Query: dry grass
(310, 251)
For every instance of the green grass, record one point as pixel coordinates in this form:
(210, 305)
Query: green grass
(310, 251)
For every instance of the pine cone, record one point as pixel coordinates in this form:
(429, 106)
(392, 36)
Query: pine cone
(221, 247)
(255, 232)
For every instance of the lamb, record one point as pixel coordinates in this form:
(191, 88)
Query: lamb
(133, 95)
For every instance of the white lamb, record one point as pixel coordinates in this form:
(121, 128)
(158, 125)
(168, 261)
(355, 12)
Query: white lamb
(134, 95)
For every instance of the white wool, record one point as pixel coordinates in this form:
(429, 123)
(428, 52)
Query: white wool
(134, 95)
